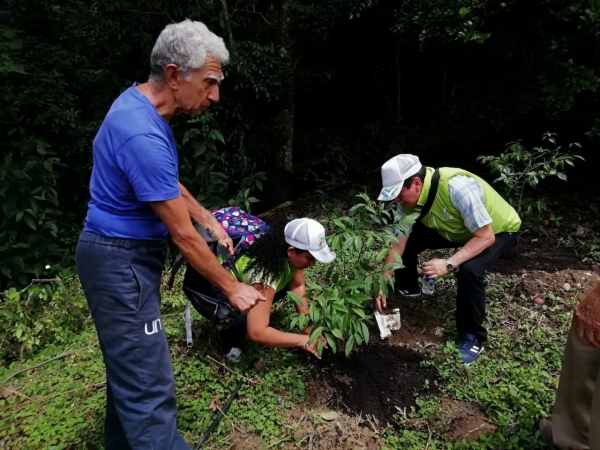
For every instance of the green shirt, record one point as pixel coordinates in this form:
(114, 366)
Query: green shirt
(254, 275)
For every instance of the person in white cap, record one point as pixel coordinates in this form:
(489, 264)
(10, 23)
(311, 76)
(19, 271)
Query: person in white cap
(273, 265)
(456, 209)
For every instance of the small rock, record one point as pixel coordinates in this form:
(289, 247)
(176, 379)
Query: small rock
(578, 285)
(329, 416)
(366, 432)
(566, 287)
(438, 331)
(580, 231)
(588, 274)
(539, 301)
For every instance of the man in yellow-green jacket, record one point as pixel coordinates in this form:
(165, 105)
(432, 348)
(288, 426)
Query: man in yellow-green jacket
(456, 209)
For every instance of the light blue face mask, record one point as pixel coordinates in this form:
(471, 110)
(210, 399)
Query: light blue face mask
(389, 194)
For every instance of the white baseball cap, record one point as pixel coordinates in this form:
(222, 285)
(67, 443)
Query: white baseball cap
(308, 234)
(394, 172)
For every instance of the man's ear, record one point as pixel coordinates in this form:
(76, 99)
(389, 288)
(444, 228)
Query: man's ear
(172, 74)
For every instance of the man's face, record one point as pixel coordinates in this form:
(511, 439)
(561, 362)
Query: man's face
(202, 89)
(409, 196)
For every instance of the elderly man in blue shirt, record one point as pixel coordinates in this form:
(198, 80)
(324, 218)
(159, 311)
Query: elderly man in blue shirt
(136, 200)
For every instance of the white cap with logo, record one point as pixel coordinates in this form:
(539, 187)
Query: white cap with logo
(395, 172)
(308, 234)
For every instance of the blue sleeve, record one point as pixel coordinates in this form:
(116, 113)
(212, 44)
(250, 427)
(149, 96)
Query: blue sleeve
(151, 168)
(466, 194)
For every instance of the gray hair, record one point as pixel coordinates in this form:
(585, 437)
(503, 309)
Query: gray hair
(186, 44)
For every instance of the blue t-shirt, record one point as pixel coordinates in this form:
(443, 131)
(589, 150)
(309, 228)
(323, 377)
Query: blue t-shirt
(135, 162)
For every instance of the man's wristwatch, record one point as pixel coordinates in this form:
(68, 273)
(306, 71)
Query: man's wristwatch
(449, 266)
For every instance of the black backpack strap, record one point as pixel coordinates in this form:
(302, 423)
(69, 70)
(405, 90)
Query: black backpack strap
(179, 260)
(228, 259)
(435, 181)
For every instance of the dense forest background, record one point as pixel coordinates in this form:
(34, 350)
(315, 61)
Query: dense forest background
(324, 90)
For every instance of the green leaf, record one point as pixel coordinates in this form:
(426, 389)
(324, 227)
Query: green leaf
(30, 222)
(331, 342)
(339, 307)
(359, 312)
(368, 283)
(217, 135)
(337, 333)
(357, 243)
(335, 279)
(365, 331)
(393, 266)
(9, 315)
(354, 208)
(296, 298)
(364, 265)
(462, 12)
(19, 215)
(320, 348)
(199, 149)
(349, 345)
(315, 333)
(311, 311)
(37, 268)
(340, 224)
(19, 262)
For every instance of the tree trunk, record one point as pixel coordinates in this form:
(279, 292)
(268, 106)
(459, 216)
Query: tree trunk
(227, 24)
(285, 154)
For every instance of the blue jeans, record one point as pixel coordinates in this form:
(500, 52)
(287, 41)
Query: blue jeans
(121, 280)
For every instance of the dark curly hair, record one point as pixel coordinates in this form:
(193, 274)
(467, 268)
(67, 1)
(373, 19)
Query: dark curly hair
(269, 253)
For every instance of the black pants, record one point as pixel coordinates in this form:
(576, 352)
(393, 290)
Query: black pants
(235, 334)
(470, 299)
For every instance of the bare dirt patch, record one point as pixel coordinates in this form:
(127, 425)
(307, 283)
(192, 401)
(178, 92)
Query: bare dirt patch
(376, 380)
(569, 283)
(463, 420)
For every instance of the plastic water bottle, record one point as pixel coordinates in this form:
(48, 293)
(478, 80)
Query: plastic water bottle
(428, 285)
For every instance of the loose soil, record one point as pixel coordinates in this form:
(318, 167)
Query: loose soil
(565, 283)
(377, 380)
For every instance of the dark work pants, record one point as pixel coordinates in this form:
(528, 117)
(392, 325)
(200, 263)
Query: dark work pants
(234, 335)
(470, 298)
(121, 281)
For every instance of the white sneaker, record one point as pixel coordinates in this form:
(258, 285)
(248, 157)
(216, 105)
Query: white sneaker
(234, 355)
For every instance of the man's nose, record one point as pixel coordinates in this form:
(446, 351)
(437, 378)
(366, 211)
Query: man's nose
(213, 93)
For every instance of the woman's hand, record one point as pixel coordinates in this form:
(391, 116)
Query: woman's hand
(312, 348)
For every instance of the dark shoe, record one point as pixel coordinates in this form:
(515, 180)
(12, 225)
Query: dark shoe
(544, 426)
(410, 292)
(469, 348)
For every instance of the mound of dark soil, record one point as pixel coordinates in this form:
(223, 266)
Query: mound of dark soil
(376, 379)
